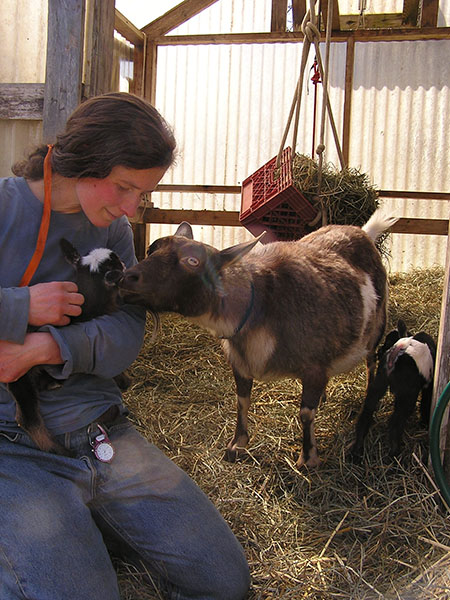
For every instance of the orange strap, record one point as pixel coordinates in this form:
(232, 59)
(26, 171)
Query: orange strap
(45, 221)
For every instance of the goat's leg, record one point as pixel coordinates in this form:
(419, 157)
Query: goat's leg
(404, 405)
(313, 389)
(377, 384)
(240, 440)
(29, 417)
(425, 404)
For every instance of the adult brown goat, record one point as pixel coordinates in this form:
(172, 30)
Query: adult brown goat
(308, 309)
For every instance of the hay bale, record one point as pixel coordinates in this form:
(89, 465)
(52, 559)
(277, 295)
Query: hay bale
(342, 531)
(348, 196)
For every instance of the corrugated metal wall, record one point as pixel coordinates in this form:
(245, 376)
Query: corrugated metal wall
(229, 104)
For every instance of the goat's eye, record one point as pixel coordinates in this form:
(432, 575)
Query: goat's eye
(191, 262)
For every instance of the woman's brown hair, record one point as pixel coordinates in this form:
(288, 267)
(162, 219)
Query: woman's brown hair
(115, 129)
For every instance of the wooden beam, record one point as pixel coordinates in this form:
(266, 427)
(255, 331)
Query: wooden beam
(150, 66)
(278, 15)
(411, 12)
(360, 35)
(430, 9)
(348, 94)
(231, 219)
(442, 371)
(99, 47)
(176, 16)
(336, 23)
(195, 217)
(126, 29)
(414, 195)
(298, 13)
(421, 226)
(64, 64)
(21, 101)
(198, 189)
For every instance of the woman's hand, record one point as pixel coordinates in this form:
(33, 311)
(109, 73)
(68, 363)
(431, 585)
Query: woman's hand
(54, 303)
(16, 359)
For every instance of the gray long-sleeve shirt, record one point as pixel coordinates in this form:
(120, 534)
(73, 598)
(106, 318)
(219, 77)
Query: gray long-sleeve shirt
(93, 352)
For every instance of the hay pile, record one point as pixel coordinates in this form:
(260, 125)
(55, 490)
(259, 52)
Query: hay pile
(348, 196)
(340, 532)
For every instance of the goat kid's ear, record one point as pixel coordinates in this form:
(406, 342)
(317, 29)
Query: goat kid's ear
(71, 254)
(402, 329)
(235, 253)
(185, 230)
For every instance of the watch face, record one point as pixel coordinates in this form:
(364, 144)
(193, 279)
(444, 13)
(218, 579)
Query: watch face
(104, 452)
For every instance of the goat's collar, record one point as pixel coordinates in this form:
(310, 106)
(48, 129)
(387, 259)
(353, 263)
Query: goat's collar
(244, 318)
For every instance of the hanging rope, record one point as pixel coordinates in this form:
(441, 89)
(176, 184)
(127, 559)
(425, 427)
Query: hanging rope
(312, 36)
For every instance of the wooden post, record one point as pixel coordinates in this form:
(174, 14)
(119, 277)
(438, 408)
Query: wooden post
(442, 372)
(99, 47)
(64, 64)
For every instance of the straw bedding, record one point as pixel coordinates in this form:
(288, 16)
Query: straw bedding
(343, 531)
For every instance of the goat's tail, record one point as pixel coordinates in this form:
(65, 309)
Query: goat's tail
(378, 223)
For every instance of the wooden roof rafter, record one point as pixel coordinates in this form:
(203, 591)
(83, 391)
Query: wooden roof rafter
(176, 16)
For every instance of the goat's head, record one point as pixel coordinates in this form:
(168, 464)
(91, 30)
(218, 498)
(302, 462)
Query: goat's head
(179, 274)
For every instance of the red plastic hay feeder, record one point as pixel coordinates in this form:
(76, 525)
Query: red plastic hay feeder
(270, 202)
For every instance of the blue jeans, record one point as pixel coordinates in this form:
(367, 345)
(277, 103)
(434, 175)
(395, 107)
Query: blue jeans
(54, 511)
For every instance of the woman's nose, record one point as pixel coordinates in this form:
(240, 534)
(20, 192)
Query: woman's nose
(130, 206)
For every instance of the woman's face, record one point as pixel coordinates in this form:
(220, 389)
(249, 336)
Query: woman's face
(105, 200)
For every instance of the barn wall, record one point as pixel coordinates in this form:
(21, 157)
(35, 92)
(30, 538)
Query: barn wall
(229, 104)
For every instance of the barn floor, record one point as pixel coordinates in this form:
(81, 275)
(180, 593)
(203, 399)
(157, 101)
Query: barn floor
(344, 531)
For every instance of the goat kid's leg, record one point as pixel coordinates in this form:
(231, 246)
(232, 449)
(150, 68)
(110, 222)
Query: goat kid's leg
(313, 389)
(29, 417)
(404, 405)
(377, 384)
(239, 442)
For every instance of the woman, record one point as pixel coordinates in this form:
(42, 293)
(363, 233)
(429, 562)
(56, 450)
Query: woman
(56, 511)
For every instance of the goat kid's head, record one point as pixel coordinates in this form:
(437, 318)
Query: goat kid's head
(180, 274)
(100, 262)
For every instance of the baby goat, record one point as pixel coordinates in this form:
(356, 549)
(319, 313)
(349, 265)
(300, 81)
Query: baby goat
(97, 275)
(310, 309)
(406, 366)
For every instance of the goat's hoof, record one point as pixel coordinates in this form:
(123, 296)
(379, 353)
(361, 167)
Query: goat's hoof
(230, 455)
(311, 462)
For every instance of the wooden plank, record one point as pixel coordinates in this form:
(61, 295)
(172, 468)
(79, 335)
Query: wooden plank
(64, 64)
(430, 9)
(150, 65)
(199, 189)
(348, 94)
(21, 101)
(126, 29)
(336, 23)
(411, 12)
(371, 21)
(360, 35)
(195, 217)
(231, 218)
(422, 226)
(137, 83)
(176, 16)
(298, 13)
(415, 195)
(442, 372)
(278, 15)
(99, 47)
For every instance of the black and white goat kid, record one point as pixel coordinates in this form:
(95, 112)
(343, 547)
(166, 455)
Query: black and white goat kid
(97, 276)
(308, 309)
(406, 366)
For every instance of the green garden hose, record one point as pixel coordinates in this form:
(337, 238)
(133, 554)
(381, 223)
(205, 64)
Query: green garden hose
(435, 434)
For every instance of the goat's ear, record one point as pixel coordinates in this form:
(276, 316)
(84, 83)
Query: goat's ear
(402, 329)
(71, 254)
(185, 230)
(235, 253)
